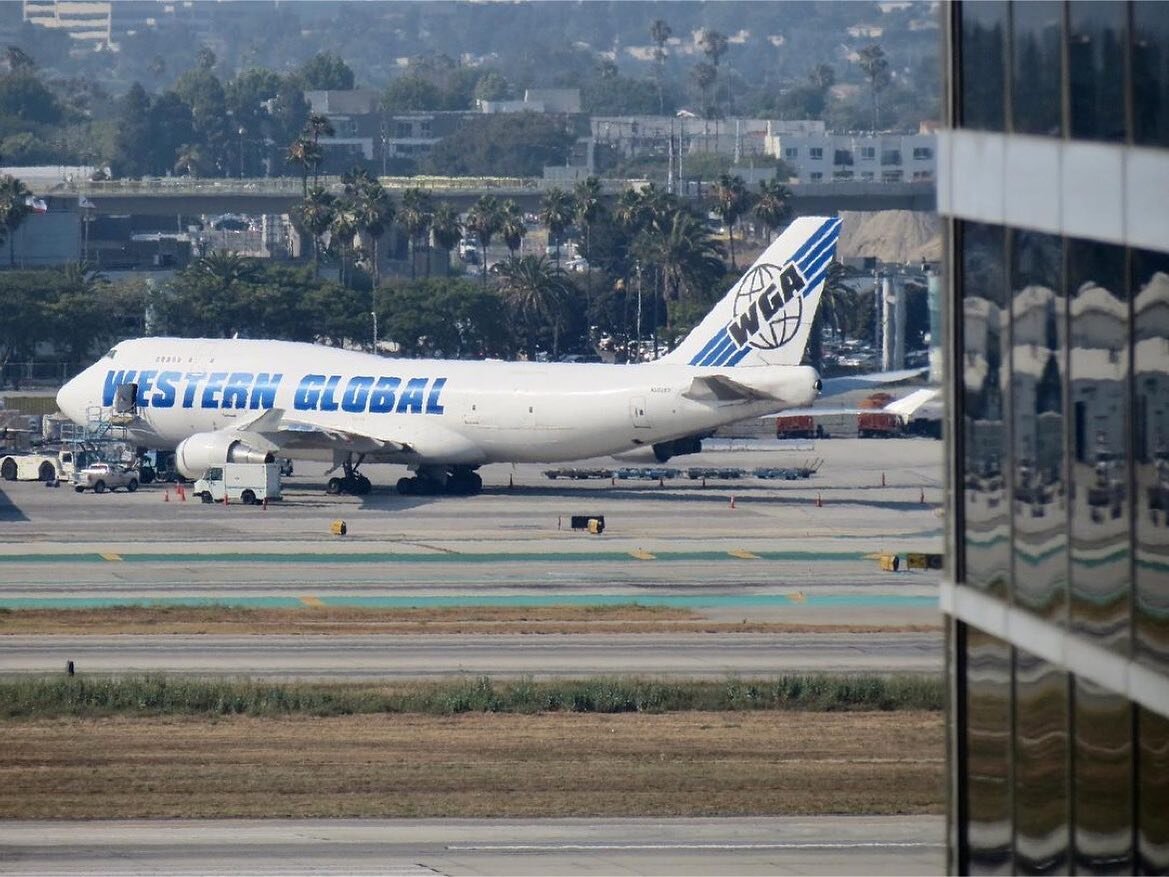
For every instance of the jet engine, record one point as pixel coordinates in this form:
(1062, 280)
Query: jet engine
(663, 451)
(195, 455)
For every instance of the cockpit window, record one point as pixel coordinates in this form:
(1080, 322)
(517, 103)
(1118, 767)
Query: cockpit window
(110, 354)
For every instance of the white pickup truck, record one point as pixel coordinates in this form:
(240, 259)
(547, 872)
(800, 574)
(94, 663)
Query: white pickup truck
(247, 483)
(101, 477)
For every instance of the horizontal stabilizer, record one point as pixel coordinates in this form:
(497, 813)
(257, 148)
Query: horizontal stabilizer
(836, 386)
(910, 404)
(718, 388)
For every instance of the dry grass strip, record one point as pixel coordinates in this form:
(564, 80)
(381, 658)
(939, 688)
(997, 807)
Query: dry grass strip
(625, 618)
(474, 765)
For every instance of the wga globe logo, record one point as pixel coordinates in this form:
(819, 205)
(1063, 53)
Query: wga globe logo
(768, 307)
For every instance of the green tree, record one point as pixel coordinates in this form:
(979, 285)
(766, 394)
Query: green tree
(342, 233)
(14, 209)
(412, 93)
(326, 71)
(556, 212)
(205, 58)
(447, 229)
(492, 86)
(714, 45)
(132, 144)
(686, 260)
(538, 294)
(704, 75)
(773, 206)
(501, 144)
(305, 153)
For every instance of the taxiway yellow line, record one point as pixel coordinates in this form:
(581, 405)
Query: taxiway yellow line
(641, 554)
(109, 555)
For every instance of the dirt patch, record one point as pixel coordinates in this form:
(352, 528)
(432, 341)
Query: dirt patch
(474, 766)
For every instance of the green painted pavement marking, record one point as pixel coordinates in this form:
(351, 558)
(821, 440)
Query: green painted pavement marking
(401, 557)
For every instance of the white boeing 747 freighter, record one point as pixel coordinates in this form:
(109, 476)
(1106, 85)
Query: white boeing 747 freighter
(215, 401)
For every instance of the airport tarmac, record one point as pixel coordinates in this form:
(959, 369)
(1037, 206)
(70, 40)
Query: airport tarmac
(787, 544)
(777, 845)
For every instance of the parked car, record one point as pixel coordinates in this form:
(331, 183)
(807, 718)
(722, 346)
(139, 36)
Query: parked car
(105, 476)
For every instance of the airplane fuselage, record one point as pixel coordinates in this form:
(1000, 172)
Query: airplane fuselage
(450, 412)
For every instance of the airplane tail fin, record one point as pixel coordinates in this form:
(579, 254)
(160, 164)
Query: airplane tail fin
(766, 317)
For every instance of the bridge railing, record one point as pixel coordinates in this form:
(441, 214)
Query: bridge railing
(294, 187)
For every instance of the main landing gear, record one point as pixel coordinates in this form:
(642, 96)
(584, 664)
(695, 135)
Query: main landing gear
(352, 482)
(434, 480)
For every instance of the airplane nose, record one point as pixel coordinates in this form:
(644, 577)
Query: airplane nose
(71, 400)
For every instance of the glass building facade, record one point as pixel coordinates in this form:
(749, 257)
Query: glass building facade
(1053, 184)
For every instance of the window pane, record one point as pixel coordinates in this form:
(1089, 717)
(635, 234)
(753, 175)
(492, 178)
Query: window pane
(984, 27)
(1037, 67)
(1103, 780)
(1098, 368)
(987, 835)
(1150, 74)
(1153, 794)
(1096, 34)
(984, 356)
(1041, 751)
(1038, 368)
(1150, 285)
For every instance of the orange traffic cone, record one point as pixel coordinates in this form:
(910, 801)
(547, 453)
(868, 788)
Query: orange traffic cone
(166, 495)
(661, 481)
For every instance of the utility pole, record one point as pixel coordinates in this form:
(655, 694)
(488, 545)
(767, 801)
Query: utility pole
(374, 315)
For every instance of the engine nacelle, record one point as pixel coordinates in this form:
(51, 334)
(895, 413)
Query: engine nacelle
(200, 452)
(663, 451)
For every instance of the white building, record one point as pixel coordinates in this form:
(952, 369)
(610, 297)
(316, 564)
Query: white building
(877, 158)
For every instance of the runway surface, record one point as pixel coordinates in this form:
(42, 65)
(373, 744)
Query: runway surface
(411, 657)
(784, 845)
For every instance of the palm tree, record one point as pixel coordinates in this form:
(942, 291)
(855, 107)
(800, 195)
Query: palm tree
(512, 228)
(876, 67)
(773, 206)
(538, 294)
(660, 32)
(714, 46)
(306, 153)
(731, 200)
(556, 212)
(373, 212)
(484, 220)
(14, 208)
(226, 268)
(415, 217)
(446, 229)
(342, 230)
(316, 214)
(687, 257)
(704, 76)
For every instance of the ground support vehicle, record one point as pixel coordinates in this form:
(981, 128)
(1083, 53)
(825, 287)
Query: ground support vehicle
(577, 474)
(878, 424)
(723, 472)
(647, 473)
(100, 477)
(45, 466)
(247, 483)
(795, 426)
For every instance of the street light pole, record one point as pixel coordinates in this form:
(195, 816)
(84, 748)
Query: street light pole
(241, 152)
(374, 315)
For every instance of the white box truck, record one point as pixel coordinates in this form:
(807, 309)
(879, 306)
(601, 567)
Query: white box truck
(247, 483)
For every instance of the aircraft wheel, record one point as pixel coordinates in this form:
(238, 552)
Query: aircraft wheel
(133, 485)
(406, 486)
(79, 489)
(334, 487)
(100, 487)
(362, 485)
(8, 470)
(205, 496)
(248, 497)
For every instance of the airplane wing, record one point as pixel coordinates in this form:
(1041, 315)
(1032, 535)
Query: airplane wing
(719, 388)
(276, 428)
(907, 406)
